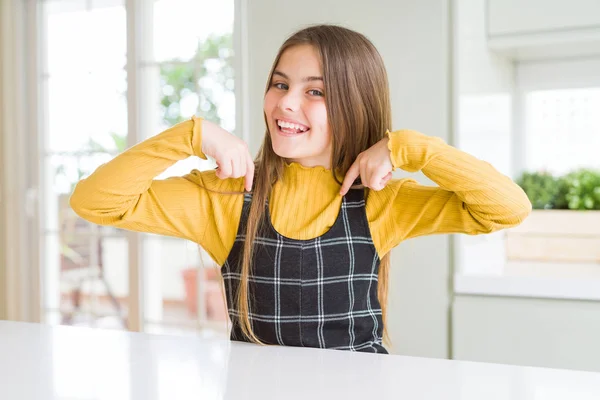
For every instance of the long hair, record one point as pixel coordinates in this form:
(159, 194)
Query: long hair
(359, 114)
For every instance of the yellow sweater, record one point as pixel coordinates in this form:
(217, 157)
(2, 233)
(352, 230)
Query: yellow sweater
(472, 196)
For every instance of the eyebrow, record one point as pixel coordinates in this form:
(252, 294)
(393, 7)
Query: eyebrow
(306, 79)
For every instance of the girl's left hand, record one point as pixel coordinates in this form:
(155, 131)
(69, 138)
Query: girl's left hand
(374, 166)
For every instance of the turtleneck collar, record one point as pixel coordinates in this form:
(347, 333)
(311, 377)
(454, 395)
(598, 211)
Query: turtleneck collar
(316, 178)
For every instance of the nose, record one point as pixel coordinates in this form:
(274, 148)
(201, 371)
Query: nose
(290, 101)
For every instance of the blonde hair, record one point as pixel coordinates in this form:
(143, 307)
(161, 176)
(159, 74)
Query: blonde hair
(359, 114)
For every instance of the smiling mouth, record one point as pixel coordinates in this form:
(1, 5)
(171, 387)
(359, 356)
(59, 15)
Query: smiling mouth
(291, 129)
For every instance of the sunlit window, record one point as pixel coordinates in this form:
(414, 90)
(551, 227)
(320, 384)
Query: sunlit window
(562, 130)
(185, 69)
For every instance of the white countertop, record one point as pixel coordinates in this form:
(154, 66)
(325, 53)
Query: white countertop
(540, 287)
(45, 362)
(551, 280)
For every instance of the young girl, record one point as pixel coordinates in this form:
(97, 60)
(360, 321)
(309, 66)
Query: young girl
(304, 231)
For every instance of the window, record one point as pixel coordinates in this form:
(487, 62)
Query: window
(84, 98)
(562, 129)
(184, 67)
(187, 70)
(546, 122)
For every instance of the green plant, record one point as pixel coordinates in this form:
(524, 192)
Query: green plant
(543, 189)
(560, 201)
(578, 190)
(179, 80)
(583, 189)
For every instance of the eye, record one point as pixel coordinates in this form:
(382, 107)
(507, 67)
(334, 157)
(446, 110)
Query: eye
(281, 86)
(315, 92)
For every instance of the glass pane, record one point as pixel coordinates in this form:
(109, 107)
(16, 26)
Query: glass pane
(84, 266)
(168, 105)
(86, 280)
(188, 71)
(180, 26)
(175, 272)
(87, 111)
(84, 87)
(562, 130)
(178, 97)
(203, 87)
(85, 35)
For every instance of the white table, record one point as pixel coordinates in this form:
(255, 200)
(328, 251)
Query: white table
(44, 362)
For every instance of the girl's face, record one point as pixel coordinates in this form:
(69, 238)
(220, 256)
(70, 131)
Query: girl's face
(295, 109)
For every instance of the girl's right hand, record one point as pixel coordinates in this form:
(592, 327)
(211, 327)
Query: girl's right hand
(230, 152)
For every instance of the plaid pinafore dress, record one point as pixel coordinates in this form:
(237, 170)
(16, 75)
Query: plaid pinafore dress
(320, 292)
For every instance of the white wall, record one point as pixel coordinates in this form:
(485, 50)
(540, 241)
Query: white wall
(413, 37)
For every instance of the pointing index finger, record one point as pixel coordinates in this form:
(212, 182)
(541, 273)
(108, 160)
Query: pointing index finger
(351, 175)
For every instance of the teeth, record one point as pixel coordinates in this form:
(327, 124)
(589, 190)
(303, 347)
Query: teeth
(289, 125)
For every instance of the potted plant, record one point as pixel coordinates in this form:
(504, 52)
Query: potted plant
(212, 299)
(565, 223)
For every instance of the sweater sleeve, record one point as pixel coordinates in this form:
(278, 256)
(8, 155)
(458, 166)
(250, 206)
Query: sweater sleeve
(123, 193)
(471, 196)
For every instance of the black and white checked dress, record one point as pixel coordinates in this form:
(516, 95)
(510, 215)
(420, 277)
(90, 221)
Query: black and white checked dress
(320, 292)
